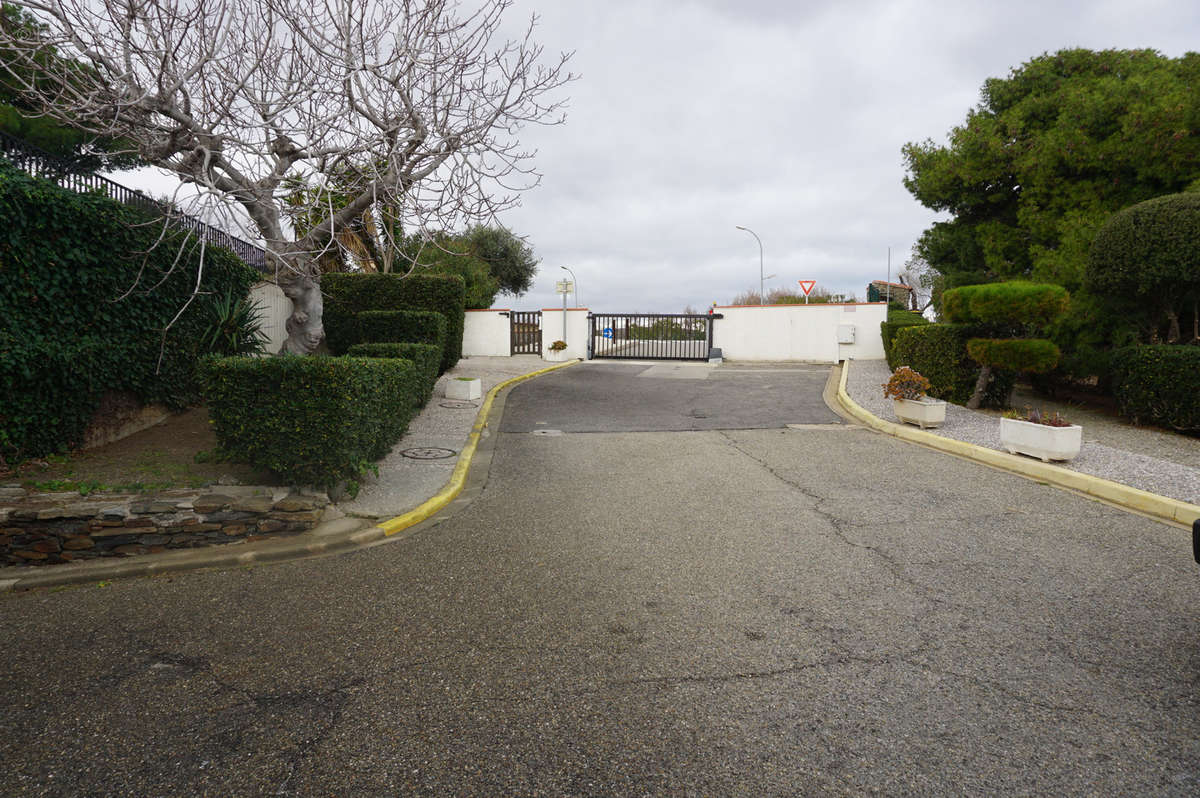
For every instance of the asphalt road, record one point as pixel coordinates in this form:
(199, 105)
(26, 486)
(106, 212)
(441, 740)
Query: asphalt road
(764, 611)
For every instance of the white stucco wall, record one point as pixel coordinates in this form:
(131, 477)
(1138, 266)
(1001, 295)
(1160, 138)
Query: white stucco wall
(274, 310)
(799, 332)
(486, 333)
(577, 330)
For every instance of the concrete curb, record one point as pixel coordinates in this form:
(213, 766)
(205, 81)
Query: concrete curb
(1161, 508)
(459, 478)
(343, 534)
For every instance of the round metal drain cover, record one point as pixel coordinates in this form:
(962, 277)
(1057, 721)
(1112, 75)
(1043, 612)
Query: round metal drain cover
(428, 453)
(457, 404)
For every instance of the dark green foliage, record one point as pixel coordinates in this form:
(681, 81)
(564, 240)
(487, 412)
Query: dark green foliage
(347, 294)
(66, 337)
(668, 330)
(1016, 354)
(1145, 261)
(1011, 304)
(235, 326)
(896, 321)
(939, 353)
(510, 260)
(427, 358)
(1052, 150)
(312, 420)
(401, 326)
(1159, 385)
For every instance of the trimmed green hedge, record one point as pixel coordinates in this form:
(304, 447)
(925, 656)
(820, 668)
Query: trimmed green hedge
(427, 357)
(401, 327)
(1005, 304)
(1159, 384)
(348, 294)
(312, 420)
(896, 321)
(1017, 354)
(66, 334)
(939, 353)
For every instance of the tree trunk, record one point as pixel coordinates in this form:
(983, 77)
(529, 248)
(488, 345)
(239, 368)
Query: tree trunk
(985, 376)
(1173, 332)
(304, 327)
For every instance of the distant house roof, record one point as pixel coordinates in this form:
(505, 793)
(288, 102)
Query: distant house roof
(893, 285)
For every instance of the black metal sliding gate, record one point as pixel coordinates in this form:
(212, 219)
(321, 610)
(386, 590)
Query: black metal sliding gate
(639, 336)
(525, 332)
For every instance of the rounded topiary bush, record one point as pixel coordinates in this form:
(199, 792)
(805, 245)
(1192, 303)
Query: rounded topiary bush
(1147, 258)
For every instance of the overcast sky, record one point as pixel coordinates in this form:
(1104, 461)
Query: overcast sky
(783, 116)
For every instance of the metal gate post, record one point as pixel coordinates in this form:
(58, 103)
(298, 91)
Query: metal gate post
(591, 334)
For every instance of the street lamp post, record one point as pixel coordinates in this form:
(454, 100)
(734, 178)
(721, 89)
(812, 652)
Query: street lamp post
(575, 280)
(762, 299)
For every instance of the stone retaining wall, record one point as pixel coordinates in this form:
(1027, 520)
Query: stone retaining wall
(52, 528)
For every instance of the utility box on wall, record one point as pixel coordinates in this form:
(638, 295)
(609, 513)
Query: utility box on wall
(845, 333)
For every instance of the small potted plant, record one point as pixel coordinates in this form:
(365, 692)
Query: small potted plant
(555, 350)
(1047, 436)
(907, 389)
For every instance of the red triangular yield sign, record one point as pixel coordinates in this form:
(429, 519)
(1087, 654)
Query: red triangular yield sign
(807, 285)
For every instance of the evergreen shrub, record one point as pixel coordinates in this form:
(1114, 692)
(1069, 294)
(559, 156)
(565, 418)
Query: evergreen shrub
(85, 293)
(349, 294)
(896, 321)
(939, 353)
(312, 420)
(1159, 384)
(427, 358)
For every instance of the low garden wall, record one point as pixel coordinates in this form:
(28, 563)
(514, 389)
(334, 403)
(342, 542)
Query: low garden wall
(52, 528)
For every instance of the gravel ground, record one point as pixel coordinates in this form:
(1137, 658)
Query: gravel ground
(1153, 460)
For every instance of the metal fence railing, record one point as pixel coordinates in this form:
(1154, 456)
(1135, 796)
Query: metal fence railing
(40, 163)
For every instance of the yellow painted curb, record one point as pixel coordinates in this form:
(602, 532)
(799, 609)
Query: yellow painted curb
(1160, 507)
(457, 479)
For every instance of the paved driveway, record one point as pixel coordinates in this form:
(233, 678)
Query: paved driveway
(641, 397)
(765, 611)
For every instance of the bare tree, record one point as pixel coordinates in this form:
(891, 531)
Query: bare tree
(413, 105)
(923, 279)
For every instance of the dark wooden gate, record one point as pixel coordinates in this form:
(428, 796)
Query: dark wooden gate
(659, 336)
(525, 332)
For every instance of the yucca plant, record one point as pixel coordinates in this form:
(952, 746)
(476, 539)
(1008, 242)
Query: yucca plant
(235, 327)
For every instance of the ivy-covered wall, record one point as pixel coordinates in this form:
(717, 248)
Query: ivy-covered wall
(85, 296)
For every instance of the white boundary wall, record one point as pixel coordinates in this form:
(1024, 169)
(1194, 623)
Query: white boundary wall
(275, 308)
(799, 332)
(577, 331)
(486, 333)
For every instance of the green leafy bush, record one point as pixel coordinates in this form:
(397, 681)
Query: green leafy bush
(1008, 304)
(1016, 354)
(1159, 384)
(939, 353)
(348, 294)
(312, 420)
(896, 321)
(85, 295)
(1145, 260)
(401, 327)
(427, 358)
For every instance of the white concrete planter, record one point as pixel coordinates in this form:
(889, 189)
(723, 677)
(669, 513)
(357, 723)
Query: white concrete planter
(555, 355)
(924, 412)
(1039, 440)
(464, 388)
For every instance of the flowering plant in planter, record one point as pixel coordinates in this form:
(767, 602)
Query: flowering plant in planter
(1038, 417)
(558, 346)
(907, 389)
(1047, 436)
(906, 384)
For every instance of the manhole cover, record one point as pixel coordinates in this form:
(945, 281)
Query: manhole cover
(428, 453)
(457, 404)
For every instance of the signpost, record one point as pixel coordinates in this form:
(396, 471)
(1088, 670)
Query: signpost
(564, 287)
(806, 286)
